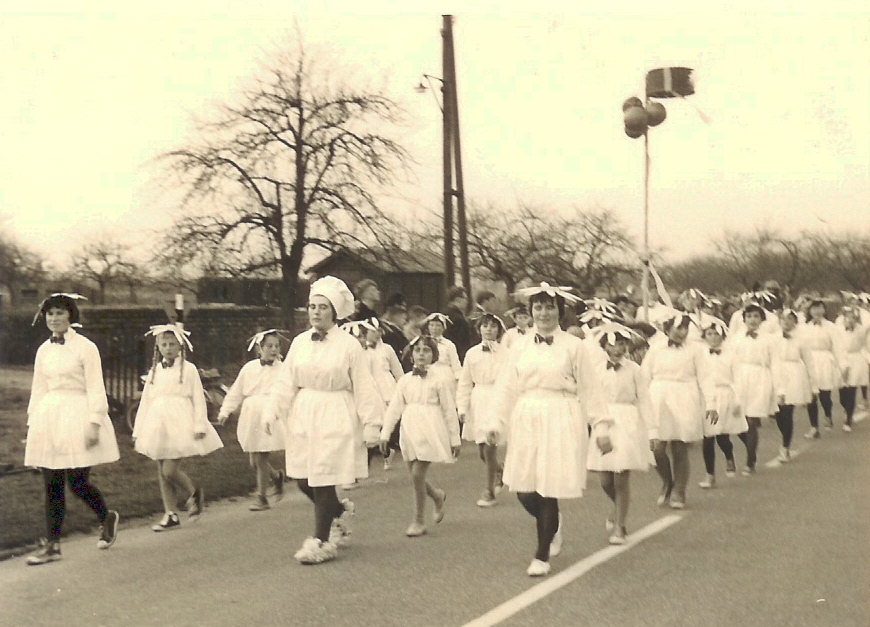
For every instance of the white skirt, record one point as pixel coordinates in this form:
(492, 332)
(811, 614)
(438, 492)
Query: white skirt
(795, 382)
(729, 422)
(754, 386)
(549, 438)
(57, 430)
(825, 371)
(678, 409)
(423, 435)
(167, 431)
(858, 371)
(252, 437)
(629, 438)
(480, 408)
(325, 439)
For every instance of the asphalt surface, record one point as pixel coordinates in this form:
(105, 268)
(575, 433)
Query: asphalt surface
(789, 546)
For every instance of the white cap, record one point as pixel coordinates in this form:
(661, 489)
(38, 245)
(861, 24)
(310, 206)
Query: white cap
(336, 292)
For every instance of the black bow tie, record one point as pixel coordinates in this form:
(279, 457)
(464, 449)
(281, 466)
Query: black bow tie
(818, 323)
(521, 331)
(786, 335)
(540, 339)
(167, 363)
(675, 344)
(486, 348)
(419, 372)
(715, 351)
(57, 339)
(263, 362)
(752, 334)
(613, 366)
(318, 337)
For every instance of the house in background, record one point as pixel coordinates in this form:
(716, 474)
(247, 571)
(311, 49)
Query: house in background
(418, 275)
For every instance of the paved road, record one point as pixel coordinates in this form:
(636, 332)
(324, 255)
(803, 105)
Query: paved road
(789, 546)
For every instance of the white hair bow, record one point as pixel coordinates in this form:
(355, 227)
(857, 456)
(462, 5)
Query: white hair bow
(180, 334)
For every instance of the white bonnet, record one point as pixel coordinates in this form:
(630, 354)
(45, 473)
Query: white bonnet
(336, 292)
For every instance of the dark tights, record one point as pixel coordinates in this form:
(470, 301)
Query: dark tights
(824, 397)
(546, 513)
(55, 497)
(708, 448)
(750, 439)
(327, 507)
(847, 400)
(785, 422)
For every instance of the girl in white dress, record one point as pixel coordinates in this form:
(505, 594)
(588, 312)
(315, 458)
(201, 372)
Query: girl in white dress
(68, 426)
(475, 398)
(731, 420)
(522, 325)
(387, 370)
(852, 346)
(548, 395)
(250, 391)
(820, 335)
(429, 430)
(792, 378)
(625, 443)
(448, 359)
(172, 422)
(328, 400)
(680, 390)
(752, 353)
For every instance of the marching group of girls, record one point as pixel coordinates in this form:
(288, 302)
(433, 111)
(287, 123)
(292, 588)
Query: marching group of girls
(602, 398)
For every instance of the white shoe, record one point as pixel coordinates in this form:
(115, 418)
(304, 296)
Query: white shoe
(708, 483)
(847, 428)
(784, 456)
(315, 551)
(339, 532)
(556, 543)
(812, 434)
(538, 568)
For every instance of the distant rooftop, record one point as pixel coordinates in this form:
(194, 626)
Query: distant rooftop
(388, 260)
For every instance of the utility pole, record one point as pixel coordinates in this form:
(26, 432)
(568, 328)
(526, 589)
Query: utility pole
(447, 146)
(451, 94)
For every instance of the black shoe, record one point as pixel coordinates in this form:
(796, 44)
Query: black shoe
(170, 521)
(50, 553)
(109, 530)
(195, 504)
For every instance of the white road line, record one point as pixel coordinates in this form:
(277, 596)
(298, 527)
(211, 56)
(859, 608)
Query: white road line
(548, 586)
(775, 463)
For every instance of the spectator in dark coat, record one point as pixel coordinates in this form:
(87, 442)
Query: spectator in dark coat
(459, 330)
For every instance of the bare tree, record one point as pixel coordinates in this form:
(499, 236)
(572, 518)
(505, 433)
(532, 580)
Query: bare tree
(19, 266)
(846, 255)
(104, 262)
(294, 165)
(764, 254)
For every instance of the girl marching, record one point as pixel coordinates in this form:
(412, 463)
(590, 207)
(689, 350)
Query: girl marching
(625, 443)
(250, 392)
(820, 335)
(172, 422)
(852, 345)
(326, 396)
(429, 430)
(792, 378)
(68, 426)
(448, 359)
(475, 398)
(547, 396)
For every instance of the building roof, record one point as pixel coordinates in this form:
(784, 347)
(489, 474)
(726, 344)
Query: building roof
(387, 260)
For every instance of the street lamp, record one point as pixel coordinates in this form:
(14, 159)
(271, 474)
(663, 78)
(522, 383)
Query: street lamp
(638, 117)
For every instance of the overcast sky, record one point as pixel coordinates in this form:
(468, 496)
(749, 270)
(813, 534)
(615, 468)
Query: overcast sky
(90, 96)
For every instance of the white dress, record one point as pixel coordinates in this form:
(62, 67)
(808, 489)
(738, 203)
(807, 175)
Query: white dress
(678, 376)
(326, 394)
(385, 368)
(250, 391)
(792, 369)
(475, 393)
(731, 419)
(631, 427)
(172, 412)
(68, 394)
(513, 334)
(430, 426)
(820, 339)
(851, 347)
(753, 377)
(547, 396)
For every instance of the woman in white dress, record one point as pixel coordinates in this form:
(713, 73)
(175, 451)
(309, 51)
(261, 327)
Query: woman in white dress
(68, 426)
(328, 400)
(680, 390)
(820, 335)
(250, 391)
(548, 395)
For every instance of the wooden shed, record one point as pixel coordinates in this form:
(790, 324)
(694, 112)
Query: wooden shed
(418, 275)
